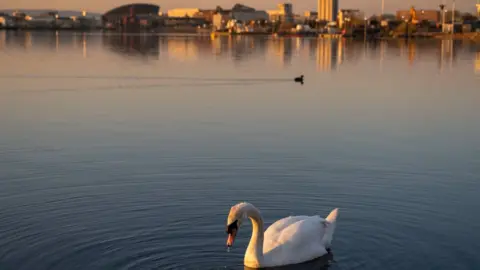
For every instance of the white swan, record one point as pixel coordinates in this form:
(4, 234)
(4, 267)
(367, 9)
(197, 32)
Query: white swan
(291, 240)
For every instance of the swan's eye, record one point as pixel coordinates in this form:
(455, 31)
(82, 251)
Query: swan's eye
(232, 227)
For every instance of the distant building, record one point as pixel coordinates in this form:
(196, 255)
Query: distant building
(286, 10)
(131, 17)
(349, 16)
(206, 14)
(40, 22)
(6, 21)
(220, 20)
(244, 13)
(239, 13)
(419, 15)
(183, 12)
(132, 10)
(311, 15)
(327, 10)
(283, 13)
(274, 15)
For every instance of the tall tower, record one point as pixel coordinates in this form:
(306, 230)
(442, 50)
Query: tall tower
(478, 7)
(327, 10)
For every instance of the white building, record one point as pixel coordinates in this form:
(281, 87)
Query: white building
(220, 20)
(239, 13)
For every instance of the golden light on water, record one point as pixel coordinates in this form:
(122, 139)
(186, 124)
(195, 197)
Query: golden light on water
(477, 63)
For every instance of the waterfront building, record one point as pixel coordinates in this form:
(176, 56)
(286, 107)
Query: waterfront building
(327, 10)
(283, 13)
(240, 13)
(310, 15)
(350, 17)
(183, 12)
(132, 17)
(206, 14)
(40, 22)
(6, 21)
(419, 15)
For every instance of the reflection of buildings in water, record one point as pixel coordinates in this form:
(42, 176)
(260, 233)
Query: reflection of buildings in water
(412, 49)
(312, 49)
(57, 41)
(324, 55)
(299, 44)
(84, 45)
(477, 63)
(222, 45)
(382, 52)
(182, 49)
(330, 54)
(353, 51)
(402, 47)
(53, 40)
(287, 50)
(217, 45)
(28, 40)
(241, 48)
(282, 48)
(340, 52)
(446, 54)
(247, 47)
(75, 41)
(3, 40)
(145, 45)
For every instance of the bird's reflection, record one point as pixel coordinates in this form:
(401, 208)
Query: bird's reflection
(322, 263)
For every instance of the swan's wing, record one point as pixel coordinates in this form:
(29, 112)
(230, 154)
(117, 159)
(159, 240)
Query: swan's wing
(294, 239)
(283, 223)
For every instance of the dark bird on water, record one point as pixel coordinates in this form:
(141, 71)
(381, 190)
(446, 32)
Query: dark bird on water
(299, 79)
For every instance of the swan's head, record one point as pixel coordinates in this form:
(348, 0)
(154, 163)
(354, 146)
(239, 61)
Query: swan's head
(238, 213)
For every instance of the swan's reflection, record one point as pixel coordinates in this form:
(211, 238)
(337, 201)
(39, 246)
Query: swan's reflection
(322, 263)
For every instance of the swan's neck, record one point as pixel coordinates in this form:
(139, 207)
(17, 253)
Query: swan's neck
(254, 254)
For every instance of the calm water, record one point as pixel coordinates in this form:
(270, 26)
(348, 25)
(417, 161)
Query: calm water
(126, 152)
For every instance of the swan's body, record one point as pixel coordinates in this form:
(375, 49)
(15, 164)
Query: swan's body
(290, 240)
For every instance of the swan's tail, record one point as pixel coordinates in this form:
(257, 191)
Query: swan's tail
(331, 221)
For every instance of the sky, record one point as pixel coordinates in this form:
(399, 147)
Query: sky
(369, 6)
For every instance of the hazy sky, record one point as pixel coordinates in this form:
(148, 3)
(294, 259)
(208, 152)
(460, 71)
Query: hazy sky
(370, 6)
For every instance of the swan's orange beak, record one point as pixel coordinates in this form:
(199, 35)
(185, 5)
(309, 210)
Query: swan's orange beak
(231, 237)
